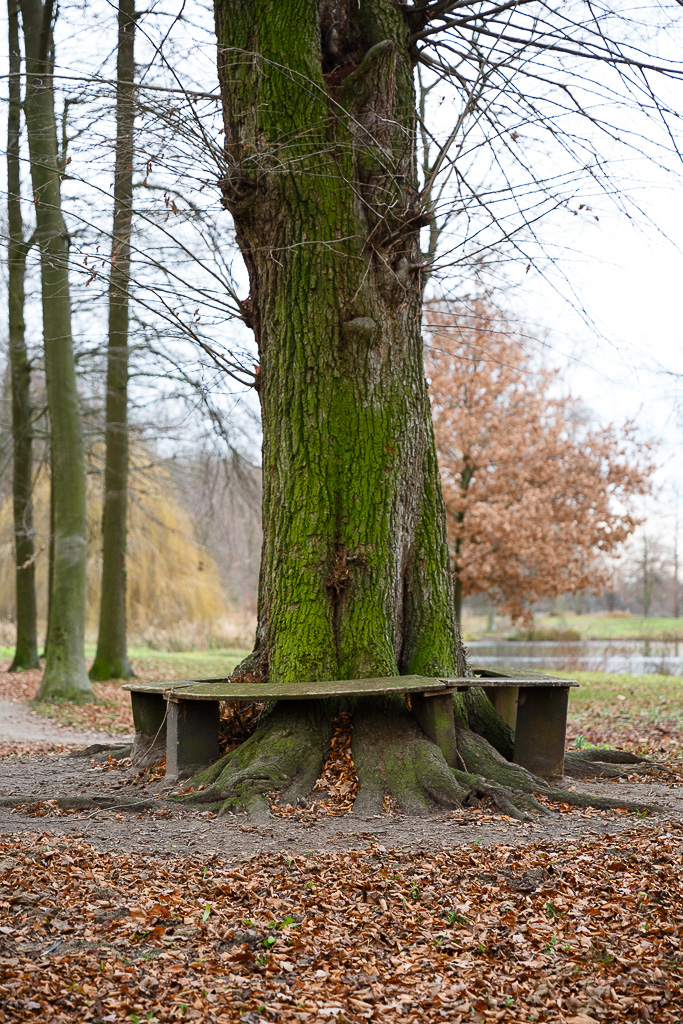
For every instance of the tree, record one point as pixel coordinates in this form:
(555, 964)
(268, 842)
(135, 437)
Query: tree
(26, 651)
(111, 658)
(65, 674)
(536, 497)
(320, 177)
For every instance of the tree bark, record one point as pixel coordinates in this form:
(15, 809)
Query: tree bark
(320, 178)
(65, 674)
(26, 651)
(111, 659)
(321, 181)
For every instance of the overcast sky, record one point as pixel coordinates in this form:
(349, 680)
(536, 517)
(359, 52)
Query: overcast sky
(612, 302)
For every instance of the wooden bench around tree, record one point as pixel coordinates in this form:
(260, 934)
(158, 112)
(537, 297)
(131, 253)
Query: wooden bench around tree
(182, 718)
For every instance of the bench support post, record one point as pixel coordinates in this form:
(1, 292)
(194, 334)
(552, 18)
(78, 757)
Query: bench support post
(541, 729)
(149, 714)
(192, 739)
(504, 700)
(434, 712)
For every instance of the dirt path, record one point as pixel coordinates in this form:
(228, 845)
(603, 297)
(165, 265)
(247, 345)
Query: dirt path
(162, 829)
(20, 725)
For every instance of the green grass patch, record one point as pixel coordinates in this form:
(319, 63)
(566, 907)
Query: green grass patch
(181, 664)
(652, 695)
(546, 633)
(614, 626)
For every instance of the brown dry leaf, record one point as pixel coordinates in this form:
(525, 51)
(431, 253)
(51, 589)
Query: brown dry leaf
(582, 932)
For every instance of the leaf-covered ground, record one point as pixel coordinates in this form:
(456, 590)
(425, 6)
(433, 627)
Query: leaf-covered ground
(591, 931)
(465, 917)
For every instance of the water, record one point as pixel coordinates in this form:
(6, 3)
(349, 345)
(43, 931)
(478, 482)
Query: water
(637, 657)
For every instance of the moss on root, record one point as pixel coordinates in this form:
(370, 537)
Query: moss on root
(284, 755)
(393, 757)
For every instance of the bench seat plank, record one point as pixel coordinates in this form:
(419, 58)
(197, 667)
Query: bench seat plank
(225, 689)
(532, 703)
(221, 688)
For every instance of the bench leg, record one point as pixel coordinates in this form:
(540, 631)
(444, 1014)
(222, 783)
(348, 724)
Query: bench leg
(541, 729)
(504, 700)
(149, 714)
(435, 715)
(192, 737)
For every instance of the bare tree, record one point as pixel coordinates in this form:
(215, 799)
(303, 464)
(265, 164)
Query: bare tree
(26, 651)
(65, 674)
(111, 659)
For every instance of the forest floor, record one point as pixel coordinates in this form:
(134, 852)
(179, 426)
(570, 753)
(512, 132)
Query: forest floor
(156, 913)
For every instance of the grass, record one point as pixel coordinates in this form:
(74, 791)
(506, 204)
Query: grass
(640, 694)
(619, 626)
(640, 713)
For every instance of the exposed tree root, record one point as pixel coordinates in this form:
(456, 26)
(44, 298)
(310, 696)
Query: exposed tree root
(392, 757)
(102, 752)
(284, 754)
(481, 758)
(82, 802)
(604, 763)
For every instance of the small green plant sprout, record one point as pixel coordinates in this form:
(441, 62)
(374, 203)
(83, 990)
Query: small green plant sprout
(207, 913)
(415, 891)
(551, 910)
(269, 941)
(286, 921)
(453, 917)
(580, 742)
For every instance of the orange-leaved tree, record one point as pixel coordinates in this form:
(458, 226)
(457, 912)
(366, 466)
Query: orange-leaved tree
(537, 497)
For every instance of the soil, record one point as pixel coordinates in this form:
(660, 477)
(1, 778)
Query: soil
(21, 726)
(114, 822)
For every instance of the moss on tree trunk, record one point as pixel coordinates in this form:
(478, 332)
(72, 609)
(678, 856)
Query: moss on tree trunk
(65, 674)
(26, 650)
(321, 182)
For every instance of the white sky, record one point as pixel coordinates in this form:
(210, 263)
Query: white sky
(628, 276)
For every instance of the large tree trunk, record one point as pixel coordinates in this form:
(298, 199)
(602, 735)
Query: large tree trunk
(321, 181)
(26, 651)
(111, 659)
(65, 674)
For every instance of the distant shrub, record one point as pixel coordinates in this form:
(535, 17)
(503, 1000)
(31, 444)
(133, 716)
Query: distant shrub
(546, 634)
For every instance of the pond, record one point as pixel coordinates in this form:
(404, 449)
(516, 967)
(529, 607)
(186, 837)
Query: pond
(638, 657)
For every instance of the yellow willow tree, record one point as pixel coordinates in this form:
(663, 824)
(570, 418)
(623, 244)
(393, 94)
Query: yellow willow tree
(536, 496)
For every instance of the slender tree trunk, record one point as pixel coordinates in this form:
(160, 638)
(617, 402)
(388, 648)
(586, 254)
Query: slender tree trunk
(676, 580)
(65, 673)
(111, 659)
(51, 544)
(321, 181)
(26, 652)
